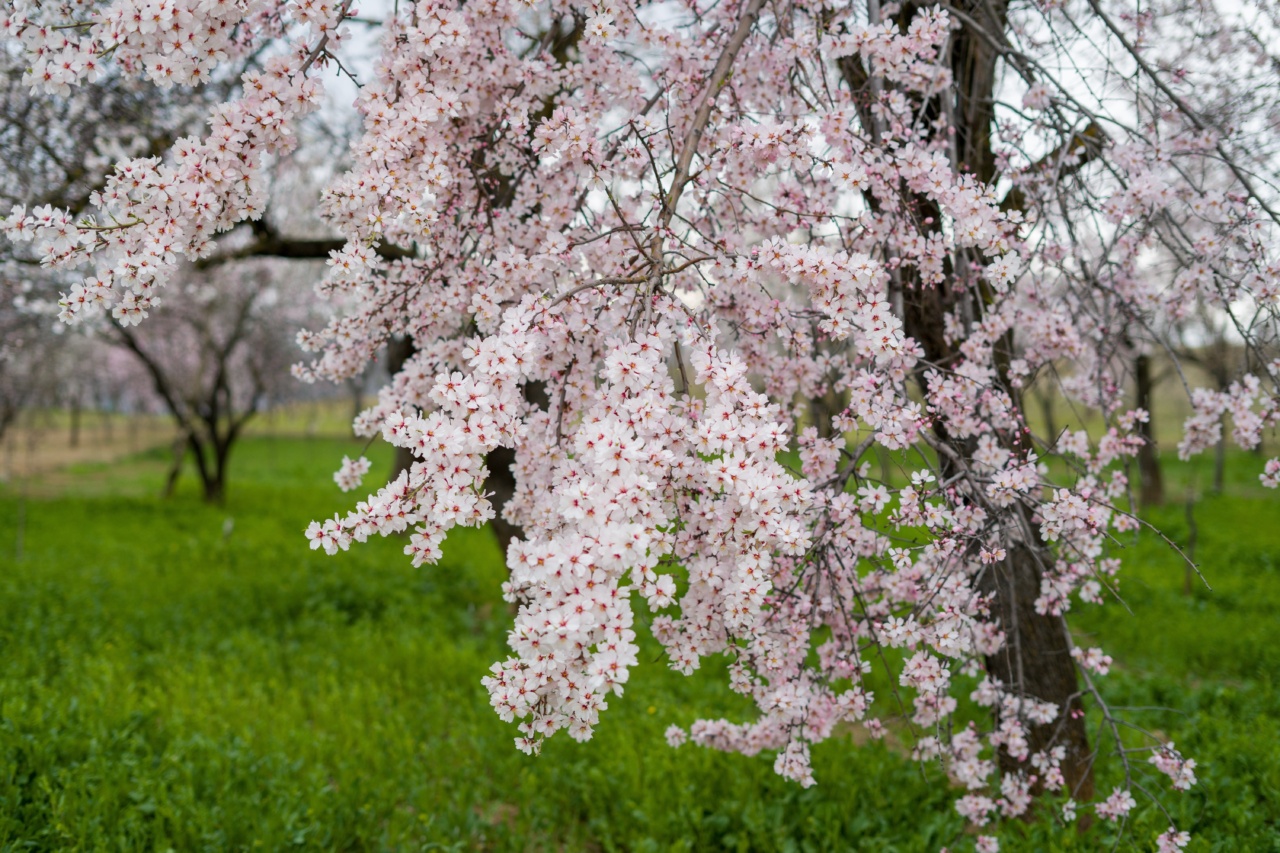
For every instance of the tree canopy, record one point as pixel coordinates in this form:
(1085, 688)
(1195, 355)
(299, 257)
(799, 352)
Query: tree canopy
(746, 296)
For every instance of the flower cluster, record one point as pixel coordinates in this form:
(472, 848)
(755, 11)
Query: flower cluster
(754, 309)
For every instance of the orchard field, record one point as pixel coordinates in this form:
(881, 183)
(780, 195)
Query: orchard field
(177, 676)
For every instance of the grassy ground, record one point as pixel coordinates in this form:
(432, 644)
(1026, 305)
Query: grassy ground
(175, 676)
(42, 443)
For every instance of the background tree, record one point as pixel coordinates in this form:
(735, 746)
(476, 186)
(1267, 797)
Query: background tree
(217, 357)
(202, 364)
(1207, 341)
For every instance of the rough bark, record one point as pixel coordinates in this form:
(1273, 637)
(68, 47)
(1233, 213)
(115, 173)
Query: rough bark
(501, 482)
(1036, 660)
(1151, 492)
(399, 350)
(501, 485)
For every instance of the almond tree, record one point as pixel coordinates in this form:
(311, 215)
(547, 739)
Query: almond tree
(211, 360)
(634, 257)
(217, 357)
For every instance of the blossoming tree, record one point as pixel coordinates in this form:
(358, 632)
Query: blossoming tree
(632, 243)
(218, 357)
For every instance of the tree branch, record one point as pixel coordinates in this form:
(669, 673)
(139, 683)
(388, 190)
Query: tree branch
(269, 243)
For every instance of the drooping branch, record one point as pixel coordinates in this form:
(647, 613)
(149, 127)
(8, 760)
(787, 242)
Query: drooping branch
(1067, 159)
(706, 103)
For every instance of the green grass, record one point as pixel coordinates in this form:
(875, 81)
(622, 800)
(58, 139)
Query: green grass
(179, 676)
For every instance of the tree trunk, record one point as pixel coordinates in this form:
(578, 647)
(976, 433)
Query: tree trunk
(1152, 486)
(210, 466)
(399, 350)
(1036, 659)
(215, 492)
(175, 468)
(75, 421)
(1036, 662)
(215, 487)
(501, 484)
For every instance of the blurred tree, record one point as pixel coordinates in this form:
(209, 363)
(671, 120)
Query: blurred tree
(218, 356)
